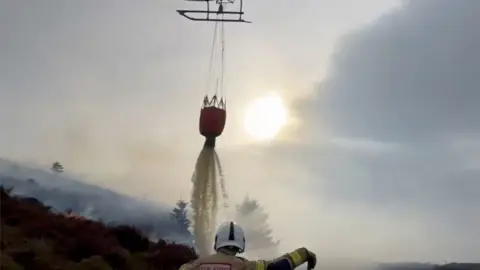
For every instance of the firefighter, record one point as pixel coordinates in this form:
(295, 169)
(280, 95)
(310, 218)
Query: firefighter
(230, 241)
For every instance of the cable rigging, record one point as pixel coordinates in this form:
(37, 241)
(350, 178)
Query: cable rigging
(213, 111)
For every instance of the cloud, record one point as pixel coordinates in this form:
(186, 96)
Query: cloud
(411, 75)
(389, 136)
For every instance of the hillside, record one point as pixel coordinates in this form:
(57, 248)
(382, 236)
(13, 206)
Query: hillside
(34, 237)
(64, 191)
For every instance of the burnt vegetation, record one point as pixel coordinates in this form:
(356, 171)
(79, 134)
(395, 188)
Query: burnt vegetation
(34, 237)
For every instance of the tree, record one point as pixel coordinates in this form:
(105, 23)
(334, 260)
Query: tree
(251, 216)
(179, 214)
(57, 167)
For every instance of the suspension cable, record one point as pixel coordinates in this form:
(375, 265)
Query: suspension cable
(222, 74)
(216, 65)
(210, 73)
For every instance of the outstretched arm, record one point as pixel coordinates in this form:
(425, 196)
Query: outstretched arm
(287, 261)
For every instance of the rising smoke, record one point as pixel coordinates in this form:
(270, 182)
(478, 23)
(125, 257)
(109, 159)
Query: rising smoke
(208, 189)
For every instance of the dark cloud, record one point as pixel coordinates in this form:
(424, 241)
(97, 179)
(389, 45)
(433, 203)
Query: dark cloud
(410, 76)
(395, 126)
(401, 102)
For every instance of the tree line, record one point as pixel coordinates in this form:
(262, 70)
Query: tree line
(250, 215)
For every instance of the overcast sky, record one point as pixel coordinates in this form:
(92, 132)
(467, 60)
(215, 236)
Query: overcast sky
(382, 162)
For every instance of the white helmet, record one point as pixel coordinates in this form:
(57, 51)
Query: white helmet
(230, 234)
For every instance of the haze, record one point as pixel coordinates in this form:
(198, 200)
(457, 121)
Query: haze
(380, 160)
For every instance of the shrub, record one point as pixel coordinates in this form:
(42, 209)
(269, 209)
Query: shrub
(93, 263)
(131, 238)
(118, 258)
(35, 238)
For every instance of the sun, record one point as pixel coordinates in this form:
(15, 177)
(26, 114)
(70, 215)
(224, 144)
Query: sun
(265, 117)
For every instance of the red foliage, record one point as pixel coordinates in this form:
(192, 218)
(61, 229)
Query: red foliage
(73, 240)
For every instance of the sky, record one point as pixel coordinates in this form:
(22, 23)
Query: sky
(379, 160)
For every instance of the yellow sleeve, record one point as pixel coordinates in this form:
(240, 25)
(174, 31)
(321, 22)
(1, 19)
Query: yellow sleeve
(295, 258)
(186, 266)
(256, 265)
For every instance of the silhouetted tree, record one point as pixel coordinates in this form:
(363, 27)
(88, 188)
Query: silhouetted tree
(251, 216)
(179, 214)
(57, 167)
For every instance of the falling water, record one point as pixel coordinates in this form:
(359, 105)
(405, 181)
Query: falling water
(208, 185)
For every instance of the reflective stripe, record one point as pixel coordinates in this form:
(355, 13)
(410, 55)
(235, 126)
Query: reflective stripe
(260, 265)
(296, 258)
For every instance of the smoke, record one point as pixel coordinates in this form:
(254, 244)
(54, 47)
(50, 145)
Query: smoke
(208, 185)
(62, 192)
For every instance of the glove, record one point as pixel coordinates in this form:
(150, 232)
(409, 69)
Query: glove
(311, 260)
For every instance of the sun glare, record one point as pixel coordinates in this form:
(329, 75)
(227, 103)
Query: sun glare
(265, 117)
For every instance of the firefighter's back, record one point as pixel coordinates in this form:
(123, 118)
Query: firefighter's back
(230, 241)
(218, 261)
